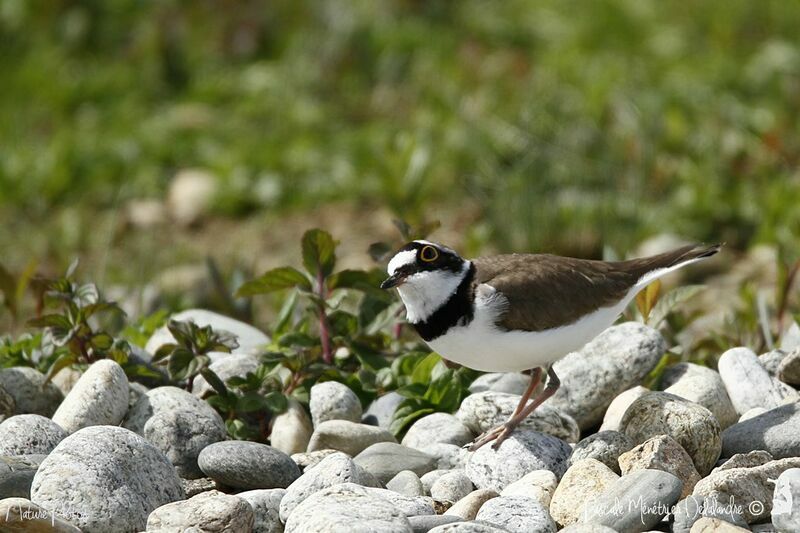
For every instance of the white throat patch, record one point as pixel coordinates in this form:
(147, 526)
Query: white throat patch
(425, 292)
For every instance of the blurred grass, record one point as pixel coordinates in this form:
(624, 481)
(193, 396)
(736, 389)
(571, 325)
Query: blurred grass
(565, 125)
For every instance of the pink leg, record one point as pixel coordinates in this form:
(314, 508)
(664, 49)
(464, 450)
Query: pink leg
(501, 432)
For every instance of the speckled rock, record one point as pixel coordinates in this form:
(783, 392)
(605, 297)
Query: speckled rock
(786, 501)
(113, 476)
(451, 487)
(341, 507)
(468, 506)
(447, 456)
(135, 391)
(406, 483)
(636, 502)
(616, 410)
(177, 423)
(662, 453)
(748, 382)
(408, 505)
(307, 460)
(539, 485)
(426, 523)
(248, 465)
(587, 528)
(752, 413)
(30, 392)
(509, 382)
(27, 434)
(690, 424)
(193, 487)
(21, 514)
(292, 429)
(211, 512)
(616, 360)
(484, 410)
(435, 428)
(746, 485)
(381, 411)
(517, 514)
(348, 437)
(469, 527)
(771, 361)
(7, 404)
(66, 378)
(265, 504)
(716, 525)
(605, 446)
(226, 367)
(250, 339)
(524, 451)
(332, 400)
(745, 460)
(332, 470)
(100, 397)
(16, 474)
(701, 385)
(429, 478)
(776, 431)
(789, 368)
(583, 481)
(385, 459)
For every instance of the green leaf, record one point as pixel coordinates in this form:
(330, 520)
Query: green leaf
(63, 361)
(276, 402)
(250, 402)
(86, 295)
(224, 403)
(273, 280)
(183, 331)
(50, 321)
(413, 390)
(667, 303)
(349, 279)
(101, 341)
(422, 370)
(406, 414)
(283, 322)
(183, 364)
(319, 255)
(164, 351)
(214, 380)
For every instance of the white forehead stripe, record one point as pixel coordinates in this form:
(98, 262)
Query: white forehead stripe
(405, 257)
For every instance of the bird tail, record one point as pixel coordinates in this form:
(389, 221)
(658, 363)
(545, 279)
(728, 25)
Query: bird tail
(653, 267)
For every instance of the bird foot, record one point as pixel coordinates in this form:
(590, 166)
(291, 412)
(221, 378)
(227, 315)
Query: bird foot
(497, 434)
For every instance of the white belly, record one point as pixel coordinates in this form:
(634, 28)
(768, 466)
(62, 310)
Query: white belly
(482, 346)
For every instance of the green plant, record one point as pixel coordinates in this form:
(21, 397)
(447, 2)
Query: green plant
(188, 356)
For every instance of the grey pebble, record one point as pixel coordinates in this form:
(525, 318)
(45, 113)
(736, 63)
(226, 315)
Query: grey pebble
(776, 431)
(21, 514)
(468, 506)
(451, 487)
(447, 456)
(469, 527)
(248, 465)
(748, 382)
(437, 428)
(483, 411)
(425, 523)
(691, 424)
(291, 429)
(177, 423)
(348, 437)
(408, 505)
(385, 459)
(510, 382)
(100, 397)
(346, 507)
(429, 478)
(406, 483)
(29, 391)
(16, 474)
(618, 507)
(604, 446)
(789, 368)
(332, 400)
(332, 470)
(523, 452)
(7, 404)
(29, 434)
(226, 367)
(517, 514)
(381, 411)
(111, 477)
(616, 360)
(211, 512)
(266, 509)
(701, 385)
(619, 405)
(307, 460)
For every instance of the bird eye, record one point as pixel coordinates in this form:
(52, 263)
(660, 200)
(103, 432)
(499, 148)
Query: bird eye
(429, 254)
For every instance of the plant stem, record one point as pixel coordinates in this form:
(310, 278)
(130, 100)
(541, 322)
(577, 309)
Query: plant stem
(324, 333)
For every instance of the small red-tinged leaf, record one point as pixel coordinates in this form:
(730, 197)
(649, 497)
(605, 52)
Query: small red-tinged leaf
(273, 280)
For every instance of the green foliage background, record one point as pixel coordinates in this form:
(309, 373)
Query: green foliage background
(566, 125)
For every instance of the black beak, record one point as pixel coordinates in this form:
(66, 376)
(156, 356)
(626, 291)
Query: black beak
(393, 281)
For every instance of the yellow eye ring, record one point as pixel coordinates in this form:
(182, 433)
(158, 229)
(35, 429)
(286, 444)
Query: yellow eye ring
(429, 254)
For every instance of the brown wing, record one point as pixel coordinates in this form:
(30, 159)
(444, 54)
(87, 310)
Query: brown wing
(546, 291)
